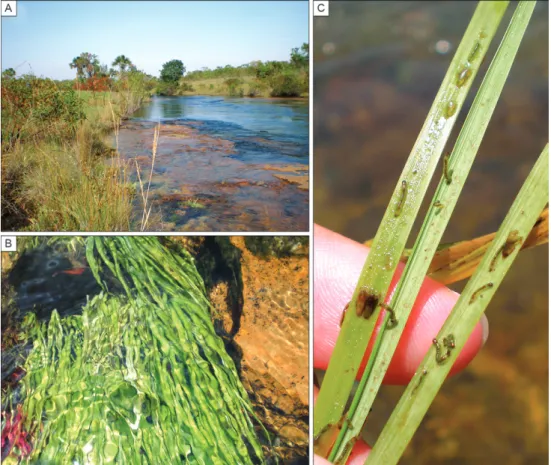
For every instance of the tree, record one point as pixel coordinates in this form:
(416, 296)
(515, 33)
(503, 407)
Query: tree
(8, 73)
(300, 56)
(124, 63)
(172, 71)
(86, 64)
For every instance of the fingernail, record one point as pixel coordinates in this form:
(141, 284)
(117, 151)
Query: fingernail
(485, 328)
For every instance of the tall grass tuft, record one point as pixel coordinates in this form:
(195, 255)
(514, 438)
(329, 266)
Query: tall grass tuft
(59, 173)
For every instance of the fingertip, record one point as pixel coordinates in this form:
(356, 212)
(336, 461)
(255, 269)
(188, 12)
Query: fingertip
(320, 461)
(337, 265)
(359, 453)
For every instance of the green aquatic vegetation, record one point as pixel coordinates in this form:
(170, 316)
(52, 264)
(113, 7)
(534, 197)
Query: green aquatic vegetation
(194, 203)
(141, 376)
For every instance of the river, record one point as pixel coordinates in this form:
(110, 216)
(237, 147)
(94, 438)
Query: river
(221, 164)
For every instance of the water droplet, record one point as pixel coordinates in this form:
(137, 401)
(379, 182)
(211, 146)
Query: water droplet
(328, 48)
(442, 47)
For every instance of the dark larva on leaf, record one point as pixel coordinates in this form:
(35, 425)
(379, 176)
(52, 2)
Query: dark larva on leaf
(402, 201)
(474, 52)
(448, 343)
(450, 109)
(366, 303)
(479, 291)
(463, 76)
(447, 172)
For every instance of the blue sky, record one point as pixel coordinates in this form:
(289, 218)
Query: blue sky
(47, 35)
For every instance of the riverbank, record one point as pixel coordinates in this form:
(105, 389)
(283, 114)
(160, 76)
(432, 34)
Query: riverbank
(246, 86)
(54, 175)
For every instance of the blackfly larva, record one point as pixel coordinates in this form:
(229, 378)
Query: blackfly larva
(451, 108)
(366, 303)
(344, 314)
(421, 378)
(463, 76)
(479, 291)
(346, 451)
(449, 343)
(392, 321)
(474, 52)
(438, 350)
(447, 172)
(438, 204)
(513, 239)
(402, 201)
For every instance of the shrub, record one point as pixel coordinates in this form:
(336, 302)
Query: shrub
(166, 88)
(232, 84)
(186, 87)
(34, 107)
(256, 89)
(94, 83)
(287, 84)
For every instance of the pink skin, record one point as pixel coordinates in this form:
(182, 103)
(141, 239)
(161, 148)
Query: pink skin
(337, 265)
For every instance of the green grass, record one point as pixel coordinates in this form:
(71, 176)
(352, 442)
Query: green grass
(249, 86)
(62, 182)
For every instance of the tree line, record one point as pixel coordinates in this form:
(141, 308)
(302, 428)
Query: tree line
(287, 78)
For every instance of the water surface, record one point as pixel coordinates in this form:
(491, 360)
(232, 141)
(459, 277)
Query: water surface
(222, 164)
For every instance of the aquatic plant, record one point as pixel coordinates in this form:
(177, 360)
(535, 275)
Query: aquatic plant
(336, 430)
(14, 436)
(140, 376)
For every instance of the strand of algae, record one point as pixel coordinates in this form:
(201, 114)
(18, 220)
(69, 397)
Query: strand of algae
(472, 303)
(139, 377)
(437, 218)
(396, 225)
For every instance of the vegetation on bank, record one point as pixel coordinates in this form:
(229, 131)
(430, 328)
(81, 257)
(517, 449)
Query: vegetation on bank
(54, 175)
(255, 79)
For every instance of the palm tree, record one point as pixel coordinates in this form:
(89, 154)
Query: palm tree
(78, 64)
(86, 65)
(123, 62)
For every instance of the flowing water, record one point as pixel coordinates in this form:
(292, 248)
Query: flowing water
(222, 164)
